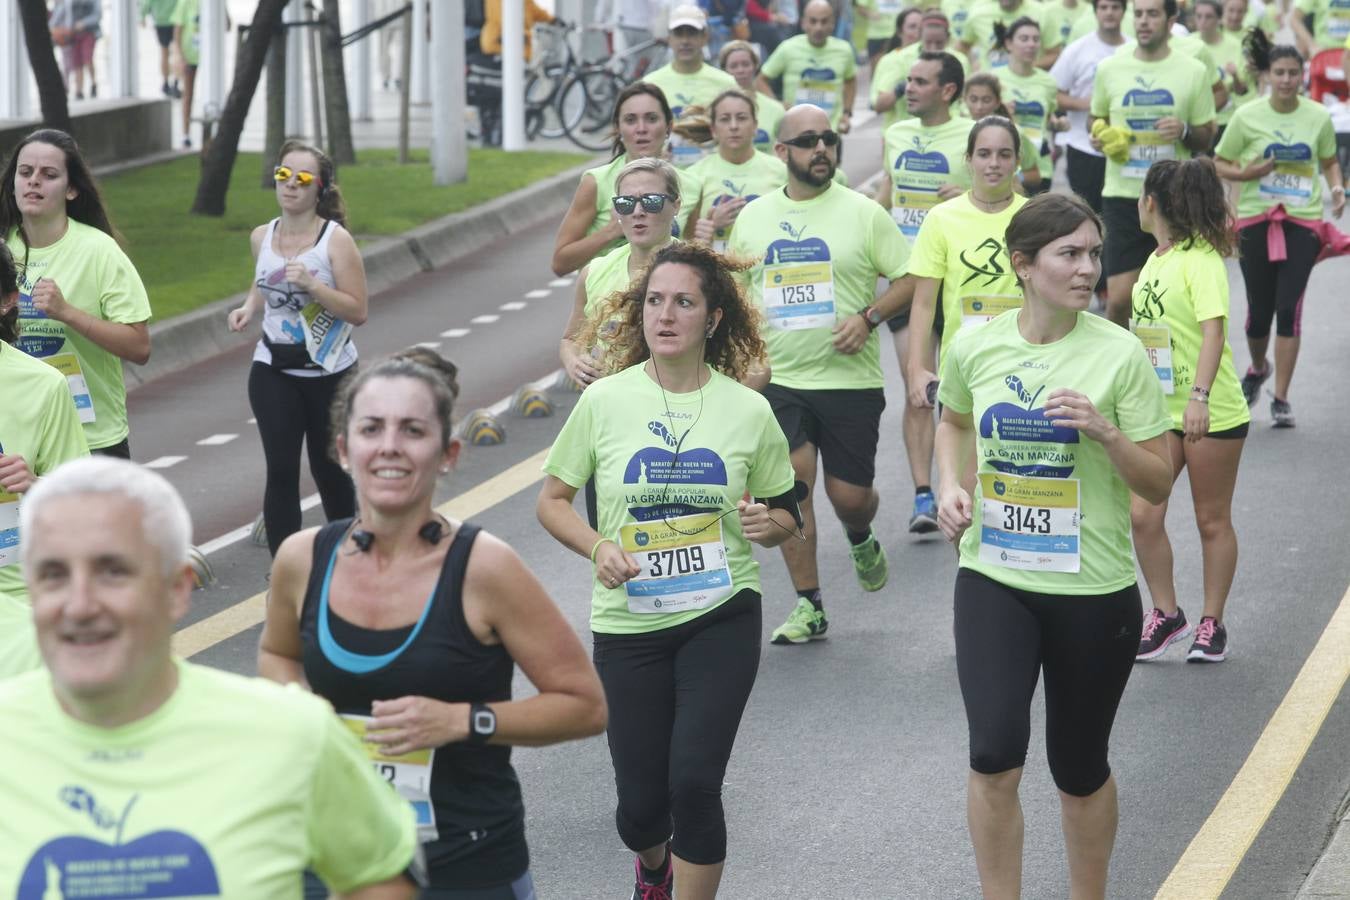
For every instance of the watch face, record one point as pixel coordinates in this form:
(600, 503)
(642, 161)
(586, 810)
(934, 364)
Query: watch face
(484, 722)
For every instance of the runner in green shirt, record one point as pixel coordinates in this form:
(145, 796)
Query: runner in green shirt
(1225, 51)
(926, 158)
(1331, 25)
(816, 67)
(818, 249)
(889, 23)
(887, 91)
(1031, 93)
(187, 37)
(264, 782)
(1061, 18)
(689, 83)
(736, 174)
(977, 38)
(642, 123)
(161, 13)
(740, 60)
(1180, 313)
(676, 609)
(983, 97)
(82, 306)
(1161, 103)
(1062, 417)
(1274, 148)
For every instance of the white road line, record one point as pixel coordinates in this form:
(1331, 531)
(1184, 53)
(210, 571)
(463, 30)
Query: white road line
(484, 320)
(164, 462)
(513, 305)
(560, 282)
(216, 440)
(430, 345)
(251, 422)
(455, 332)
(537, 294)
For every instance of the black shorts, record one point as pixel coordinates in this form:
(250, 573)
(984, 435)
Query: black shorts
(844, 424)
(901, 319)
(1236, 433)
(1127, 245)
(165, 35)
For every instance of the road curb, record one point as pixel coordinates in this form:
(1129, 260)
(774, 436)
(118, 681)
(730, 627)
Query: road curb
(194, 337)
(1330, 876)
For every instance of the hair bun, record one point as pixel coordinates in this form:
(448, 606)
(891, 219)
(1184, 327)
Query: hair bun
(425, 356)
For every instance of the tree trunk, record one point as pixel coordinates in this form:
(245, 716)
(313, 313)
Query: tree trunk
(219, 163)
(340, 146)
(42, 56)
(275, 133)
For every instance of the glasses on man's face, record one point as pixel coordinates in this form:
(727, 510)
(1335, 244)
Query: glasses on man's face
(624, 204)
(807, 139)
(283, 174)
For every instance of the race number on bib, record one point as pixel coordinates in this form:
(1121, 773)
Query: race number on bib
(684, 564)
(1147, 148)
(799, 295)
(68, 364)
(817, 93)
(1157, 341)
(980, 308)
(325, 336)
(409, 774)
(909, 208)
(9, 528)
(1029, 523)
(1288, 183)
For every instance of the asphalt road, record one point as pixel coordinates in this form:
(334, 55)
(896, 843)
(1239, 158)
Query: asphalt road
(848, 778)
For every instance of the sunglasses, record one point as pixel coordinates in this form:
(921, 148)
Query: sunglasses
(807, 139)
(651, 203)
(302, 178)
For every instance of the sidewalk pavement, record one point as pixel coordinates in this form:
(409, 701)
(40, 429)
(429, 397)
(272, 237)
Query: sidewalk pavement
(1330, 877)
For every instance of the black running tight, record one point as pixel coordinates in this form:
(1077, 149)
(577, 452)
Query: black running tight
(1084, 644)
(675, 702)
(1275, 289)
(292, 410)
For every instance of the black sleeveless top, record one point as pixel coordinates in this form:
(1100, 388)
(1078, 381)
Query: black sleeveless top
(480, 816)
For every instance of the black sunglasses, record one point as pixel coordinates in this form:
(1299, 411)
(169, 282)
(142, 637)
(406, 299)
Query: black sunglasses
(624, 204)
(807, 139)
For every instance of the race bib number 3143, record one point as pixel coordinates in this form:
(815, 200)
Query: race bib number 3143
(1029, 523)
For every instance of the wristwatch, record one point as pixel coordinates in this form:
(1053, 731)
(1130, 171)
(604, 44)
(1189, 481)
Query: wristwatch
(482, 723)
(871, 317)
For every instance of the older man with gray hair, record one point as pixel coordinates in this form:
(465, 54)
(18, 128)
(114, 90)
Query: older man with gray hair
(138, 774)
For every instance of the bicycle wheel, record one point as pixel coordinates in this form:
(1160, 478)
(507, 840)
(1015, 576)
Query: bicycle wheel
(541, 94)
(586, 107)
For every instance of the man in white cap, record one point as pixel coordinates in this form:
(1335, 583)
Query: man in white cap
(136, 774)
(688, 81)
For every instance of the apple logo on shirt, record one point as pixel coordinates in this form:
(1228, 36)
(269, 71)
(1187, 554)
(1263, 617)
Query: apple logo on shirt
(1286, 149)
(918, 158)
(164, 863)
(1023, 422)
(798, 249)
(670, 481)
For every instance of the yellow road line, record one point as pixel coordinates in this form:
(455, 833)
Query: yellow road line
(246, 613)
(1208, 864)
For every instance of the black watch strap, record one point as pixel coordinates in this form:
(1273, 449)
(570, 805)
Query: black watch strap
(482, 723)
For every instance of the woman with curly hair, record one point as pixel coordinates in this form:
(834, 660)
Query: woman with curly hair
(675, 608)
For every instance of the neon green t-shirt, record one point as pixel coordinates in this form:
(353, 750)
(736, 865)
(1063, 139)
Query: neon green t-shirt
(1088, 24)
(161, 11)
(232, 788)
(18, 639)
(1133, 94)
(1331, 21)
(720, 181)
(892, 70)
(920, 160)
(1051, 514)
(94, 275)
(1060, 21)
(1032, 99)
(881, 28)
(768, 113)
(1227, 50)
(684, 91)
(814, 75)
(816, 263)
(606, 175)
(1176, 291)
(1298, 141)
(665, 467)
(186, 17)
(38, 421)
(965, 247)
(977, 32)
(605, 275)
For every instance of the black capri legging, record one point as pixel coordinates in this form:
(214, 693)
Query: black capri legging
(1085, 645)
(1275, 289)
(675, 702)
(291, 409)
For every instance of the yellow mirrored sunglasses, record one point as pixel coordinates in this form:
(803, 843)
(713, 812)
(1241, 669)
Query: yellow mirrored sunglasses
(302, 178)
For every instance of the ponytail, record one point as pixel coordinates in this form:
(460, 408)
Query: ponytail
(1191, 200)
(1261, 53)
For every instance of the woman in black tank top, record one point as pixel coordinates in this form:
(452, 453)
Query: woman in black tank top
(411, 626)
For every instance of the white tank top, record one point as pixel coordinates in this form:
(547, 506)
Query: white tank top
(282, 301)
